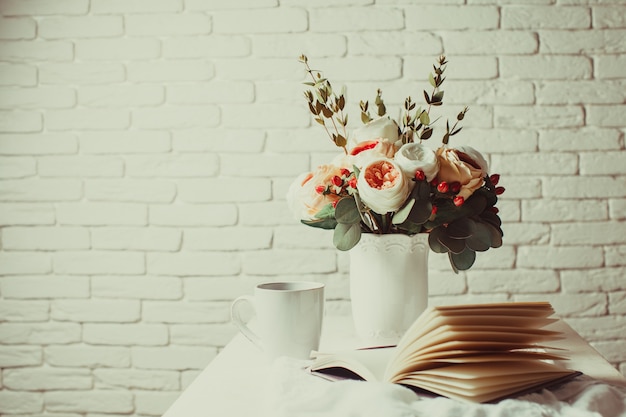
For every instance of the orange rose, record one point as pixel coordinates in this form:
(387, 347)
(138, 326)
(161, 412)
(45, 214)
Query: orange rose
(456, 165)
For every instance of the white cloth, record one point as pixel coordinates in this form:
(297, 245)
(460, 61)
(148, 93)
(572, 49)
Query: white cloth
(293, 392)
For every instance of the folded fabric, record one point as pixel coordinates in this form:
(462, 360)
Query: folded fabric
(293, 392)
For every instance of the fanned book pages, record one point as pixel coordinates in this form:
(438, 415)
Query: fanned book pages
(477, 352)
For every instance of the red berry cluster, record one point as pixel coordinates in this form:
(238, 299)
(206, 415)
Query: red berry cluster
(453, 188)
(495, 179)
(340, 185)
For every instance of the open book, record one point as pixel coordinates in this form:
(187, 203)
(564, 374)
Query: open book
(479, 353)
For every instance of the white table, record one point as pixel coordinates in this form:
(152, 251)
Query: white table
(232, 384)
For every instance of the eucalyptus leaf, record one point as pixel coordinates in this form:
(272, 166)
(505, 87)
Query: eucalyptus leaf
(347, 212)
(410, 228)
(476, 204)
(421, 212)
(431, 80)
(434, 243)
(480, 240)
(327, 224)
(346, 236)
(495, 234)
(492, 218)
(327, 212)
(453, 245)
(423, 190)
(461, 228)
(462, 261)
(426, 134)
(425, 118)
(340, 140)
(446, 213)
(341, 102)
(403, 213)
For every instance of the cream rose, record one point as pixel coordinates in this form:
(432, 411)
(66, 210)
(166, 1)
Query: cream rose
(458, 166)
(383, 186)
(381, 128)
(303, 199)
(368, 150)
(412, 157)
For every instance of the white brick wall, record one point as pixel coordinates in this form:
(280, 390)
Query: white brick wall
(146, 147)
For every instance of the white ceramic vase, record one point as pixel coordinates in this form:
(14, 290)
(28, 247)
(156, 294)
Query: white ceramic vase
(388, 285)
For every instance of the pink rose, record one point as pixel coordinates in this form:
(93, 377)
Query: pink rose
(304, 197)
(383, 186)
(468, 168)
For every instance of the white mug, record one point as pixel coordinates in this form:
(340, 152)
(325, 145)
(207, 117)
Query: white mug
(288, 318)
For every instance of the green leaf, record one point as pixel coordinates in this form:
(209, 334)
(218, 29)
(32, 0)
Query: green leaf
(422, 190)
(434, 243)
(340, 140)
(346, 236)
(480, 240)
(462, 261)
(454, 245)
(357, 200)
(347, 212)
(446, 213)
(431, 80)
(476, 204)
(403, 213)
(461, 228)
(491, 218)
(410, 228)
(426, 134)
(327, 212)
(424, 118)
(438, 96)
(495, 234)
(327, 224)
(421, 212)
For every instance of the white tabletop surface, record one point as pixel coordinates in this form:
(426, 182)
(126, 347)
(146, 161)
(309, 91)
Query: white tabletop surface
(233, 383)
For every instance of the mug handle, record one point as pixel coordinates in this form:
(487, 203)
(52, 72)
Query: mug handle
(235, 316)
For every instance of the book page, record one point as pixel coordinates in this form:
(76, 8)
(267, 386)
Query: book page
(496, 327)
(444, 358)
(478, 382)
(369, 364)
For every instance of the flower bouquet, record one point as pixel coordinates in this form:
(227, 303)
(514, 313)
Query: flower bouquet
(387, 180)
